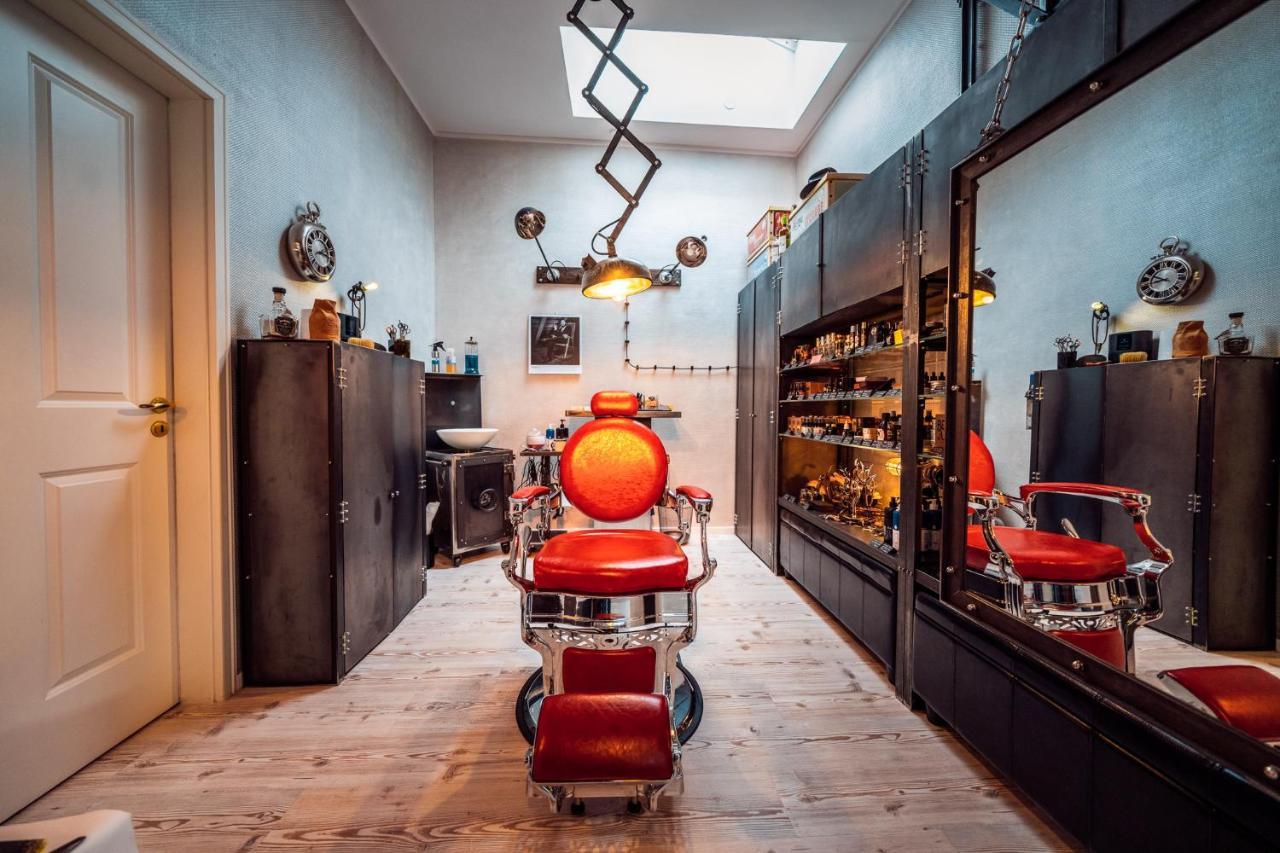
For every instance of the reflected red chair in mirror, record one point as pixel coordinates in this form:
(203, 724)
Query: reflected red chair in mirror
(608, 610)
(1081, 591)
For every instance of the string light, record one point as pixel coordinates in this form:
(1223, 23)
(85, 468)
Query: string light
(654, 368)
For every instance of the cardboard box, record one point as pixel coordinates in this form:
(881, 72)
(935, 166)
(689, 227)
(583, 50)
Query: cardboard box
(832, 187)
(769, 227)
(766, 255)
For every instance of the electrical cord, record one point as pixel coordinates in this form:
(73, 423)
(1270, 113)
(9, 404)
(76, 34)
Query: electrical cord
(654, 368)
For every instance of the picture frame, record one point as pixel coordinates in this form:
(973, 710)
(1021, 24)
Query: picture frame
(555, 344)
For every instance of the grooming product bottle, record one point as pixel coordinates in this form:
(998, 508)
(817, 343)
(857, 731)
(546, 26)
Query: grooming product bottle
(890, 510)
(450, 361)
(562, 431)
(471, 356)
(435, 356)
(1235, 341)
(897, 526)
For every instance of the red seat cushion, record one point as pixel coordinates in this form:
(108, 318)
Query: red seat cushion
(609, 670)
(603, 737)
(1041, 556)
(610, 562)
(1245, 697)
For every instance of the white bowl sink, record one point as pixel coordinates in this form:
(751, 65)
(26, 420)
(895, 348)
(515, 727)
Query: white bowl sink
(472, 438)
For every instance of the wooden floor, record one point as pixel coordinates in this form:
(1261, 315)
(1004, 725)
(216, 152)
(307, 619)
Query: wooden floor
(803, 747)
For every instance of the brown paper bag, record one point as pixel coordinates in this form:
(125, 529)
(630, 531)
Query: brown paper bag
(1190, 340)
(325, 324)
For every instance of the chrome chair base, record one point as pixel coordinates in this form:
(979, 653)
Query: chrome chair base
(686, 707)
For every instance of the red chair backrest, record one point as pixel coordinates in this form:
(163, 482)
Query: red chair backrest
(613, 469)
(982, 467)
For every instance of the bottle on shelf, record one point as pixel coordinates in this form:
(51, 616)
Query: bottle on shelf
(279, 321)
(897, 527)
(471, 356)
(1235, 341)
(890, 513)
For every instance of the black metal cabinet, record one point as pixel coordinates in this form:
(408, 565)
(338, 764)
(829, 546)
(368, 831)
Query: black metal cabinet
(451, 401)
(1066, 445)
(801, 298)
(1060, 742)
(948, 139)
(744, 416)
(764, 472)
(324, 540)
(1138, 18)
(863, 236)
(861, 595)
(1180, 430)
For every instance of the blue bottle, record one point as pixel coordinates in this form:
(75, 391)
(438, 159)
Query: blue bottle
(471, 357)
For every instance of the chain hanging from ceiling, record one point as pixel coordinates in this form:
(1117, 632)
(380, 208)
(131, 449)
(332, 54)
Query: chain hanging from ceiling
(993, 128)
(621, 130)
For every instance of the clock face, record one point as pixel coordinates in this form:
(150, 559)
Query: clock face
(320, 252)
(1167, 279)
(312, 252)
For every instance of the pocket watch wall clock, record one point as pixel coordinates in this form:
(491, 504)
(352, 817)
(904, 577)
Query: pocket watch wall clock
(1172, 276)
(310, 246)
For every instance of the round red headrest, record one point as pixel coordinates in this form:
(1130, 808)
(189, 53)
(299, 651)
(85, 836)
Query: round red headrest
(614, 403)
(613, 469)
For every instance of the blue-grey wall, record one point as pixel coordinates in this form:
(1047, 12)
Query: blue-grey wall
(1192, 149)
(313, 114)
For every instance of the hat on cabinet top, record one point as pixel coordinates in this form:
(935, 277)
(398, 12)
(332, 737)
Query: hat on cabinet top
(814, 180)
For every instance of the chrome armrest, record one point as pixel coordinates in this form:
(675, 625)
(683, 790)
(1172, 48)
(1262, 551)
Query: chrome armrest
(531, 502)
(1134, 502)
(691, 502)
(986, 508)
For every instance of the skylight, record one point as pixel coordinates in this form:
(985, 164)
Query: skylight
(699, 78)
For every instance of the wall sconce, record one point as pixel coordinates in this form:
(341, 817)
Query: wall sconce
(356, 296)
(1099, 325)
(984, 287)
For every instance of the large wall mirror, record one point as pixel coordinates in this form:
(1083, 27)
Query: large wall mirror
(1137, 438)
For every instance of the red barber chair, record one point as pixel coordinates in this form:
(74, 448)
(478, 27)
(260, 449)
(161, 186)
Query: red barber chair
(1080, 591)
(1244, 697)
(609, 611)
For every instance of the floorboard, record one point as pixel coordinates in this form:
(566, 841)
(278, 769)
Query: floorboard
(803, 747)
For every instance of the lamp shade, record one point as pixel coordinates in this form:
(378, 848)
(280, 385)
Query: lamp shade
(984, 287)
(615, 278)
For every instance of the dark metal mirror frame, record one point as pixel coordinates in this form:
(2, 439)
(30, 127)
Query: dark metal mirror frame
(1191, 731)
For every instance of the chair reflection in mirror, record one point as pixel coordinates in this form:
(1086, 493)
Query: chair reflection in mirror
(1081, 591)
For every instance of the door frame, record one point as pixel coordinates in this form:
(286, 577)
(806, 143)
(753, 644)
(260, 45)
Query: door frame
(204, 601)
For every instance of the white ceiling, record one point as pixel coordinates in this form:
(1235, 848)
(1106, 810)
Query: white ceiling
(494, 68)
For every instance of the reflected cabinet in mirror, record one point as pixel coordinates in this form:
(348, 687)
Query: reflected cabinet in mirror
(1122, 475)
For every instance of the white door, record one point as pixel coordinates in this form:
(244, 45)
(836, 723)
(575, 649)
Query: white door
(87, 639)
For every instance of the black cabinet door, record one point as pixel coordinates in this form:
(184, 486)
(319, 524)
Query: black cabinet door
(409, 541)
(1151, 415)
(851, 595)
(829, 582)
(785, 536)
(1066, 446)
(802, 279)
(745, 416)
(933, 668)
(764, 507)
(984, 707)
(1123, 787)
(878, 621)
(1061, 780)
(367, 462)
(862, 236)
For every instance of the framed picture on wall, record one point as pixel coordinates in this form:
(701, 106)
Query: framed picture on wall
(555, 343)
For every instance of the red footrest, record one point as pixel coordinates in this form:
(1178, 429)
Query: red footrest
(603, 737)
(1245, 697)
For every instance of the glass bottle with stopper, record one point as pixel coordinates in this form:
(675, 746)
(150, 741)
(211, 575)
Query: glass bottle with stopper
(279, 321)
(1235, 340)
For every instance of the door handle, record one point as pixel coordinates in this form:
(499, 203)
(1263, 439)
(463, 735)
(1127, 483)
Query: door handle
(157, 405)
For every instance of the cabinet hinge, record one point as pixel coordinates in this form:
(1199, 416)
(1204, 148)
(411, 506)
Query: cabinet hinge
(346, 643)
(1193, 502)
(922, 161)
(1035, 476)
(1191, 616)
(737, 415)
(902, 252)
(342, 378)
(344, 512)
(771, 416)
(904, 176)
(779, 318)
(424, 574)
(1035, 392)
(1198, 388)
(422, 385)
(735, 518)
(739, 309)
(422, 481)
(920, 241)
